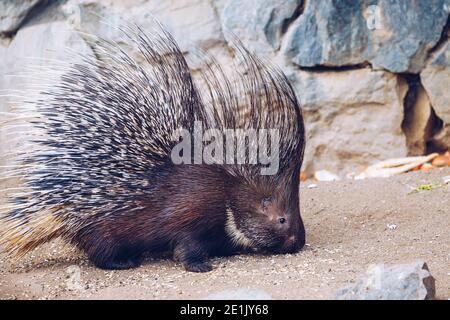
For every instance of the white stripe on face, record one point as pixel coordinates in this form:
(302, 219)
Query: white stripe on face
(236, 236)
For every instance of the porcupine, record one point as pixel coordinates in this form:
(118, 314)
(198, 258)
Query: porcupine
(102, 177)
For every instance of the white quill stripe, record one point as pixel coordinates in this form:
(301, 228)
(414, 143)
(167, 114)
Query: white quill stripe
(231, 228)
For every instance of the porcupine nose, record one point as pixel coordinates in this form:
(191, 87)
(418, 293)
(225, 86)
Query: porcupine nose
(294, 243)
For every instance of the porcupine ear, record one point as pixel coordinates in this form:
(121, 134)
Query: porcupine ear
(256, 94)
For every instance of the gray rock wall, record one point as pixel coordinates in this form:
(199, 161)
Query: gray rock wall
(372, 76)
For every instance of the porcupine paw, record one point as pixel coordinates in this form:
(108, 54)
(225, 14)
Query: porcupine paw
(197, 266)
(119, 264)
(192, 255)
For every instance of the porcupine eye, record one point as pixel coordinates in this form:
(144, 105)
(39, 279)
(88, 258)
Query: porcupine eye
(282, 220)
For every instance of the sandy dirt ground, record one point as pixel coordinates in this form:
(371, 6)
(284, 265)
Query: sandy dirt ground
(347, 230)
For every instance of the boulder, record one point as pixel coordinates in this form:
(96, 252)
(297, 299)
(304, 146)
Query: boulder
(259, 24)
(39, 45)
(13, 13)
(393, 35)
(191, 22)
(436, 79)
(411, 281)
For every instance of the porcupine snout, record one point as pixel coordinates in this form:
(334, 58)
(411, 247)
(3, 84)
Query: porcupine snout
(295, 240)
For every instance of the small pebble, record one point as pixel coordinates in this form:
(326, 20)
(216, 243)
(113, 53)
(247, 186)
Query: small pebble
(391, 226)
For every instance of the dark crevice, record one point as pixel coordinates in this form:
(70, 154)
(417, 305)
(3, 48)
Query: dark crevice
(413, 82)
(437, 125)
(37, 9)
(434, 123)
(409, 103)
(445, 35)
(322, 68)
(297, 13)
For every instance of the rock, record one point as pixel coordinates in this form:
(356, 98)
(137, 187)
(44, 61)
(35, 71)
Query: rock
(346, 118)
(325, 175)
(191, 22)
(314, 40)
(391, 226)
(240, 294)
(399, 282)
(38, 46)
(73, 278)
(435, 78)
(13, 13)
(446, 179)
(394, 35)
(259, 24)
(194, 24)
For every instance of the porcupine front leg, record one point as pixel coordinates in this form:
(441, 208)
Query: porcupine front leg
(192, 254)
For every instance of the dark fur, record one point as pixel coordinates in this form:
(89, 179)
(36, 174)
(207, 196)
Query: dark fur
(184, 212)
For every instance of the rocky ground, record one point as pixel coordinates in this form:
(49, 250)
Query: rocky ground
(350, 225)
